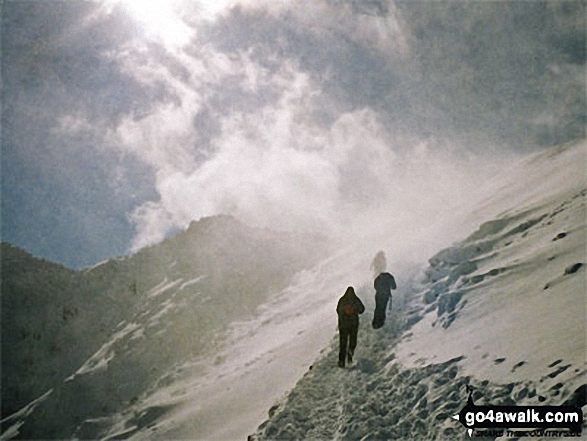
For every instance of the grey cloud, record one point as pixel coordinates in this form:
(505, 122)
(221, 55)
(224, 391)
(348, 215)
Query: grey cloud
(475, 70)
(63, 196)
(492, 61)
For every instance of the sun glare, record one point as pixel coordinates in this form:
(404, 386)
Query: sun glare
(164, 19)
(160, 19)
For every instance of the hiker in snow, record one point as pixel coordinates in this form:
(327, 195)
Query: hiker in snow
(349, 307)
(384, 283)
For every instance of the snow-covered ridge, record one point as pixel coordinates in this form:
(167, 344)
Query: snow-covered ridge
(107, 338)
(517, 295)
(503, 310)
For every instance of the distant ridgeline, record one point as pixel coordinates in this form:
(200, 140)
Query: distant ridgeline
(100, 337)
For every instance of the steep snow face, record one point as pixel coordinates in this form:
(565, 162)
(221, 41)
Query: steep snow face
(543, 178)
(511, 298)
(502, 311)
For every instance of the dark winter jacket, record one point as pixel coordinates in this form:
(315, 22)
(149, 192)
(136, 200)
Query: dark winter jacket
(349, 307)
(384, 283)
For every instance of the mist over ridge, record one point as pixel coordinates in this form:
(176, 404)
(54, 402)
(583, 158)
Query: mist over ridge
(314, 117)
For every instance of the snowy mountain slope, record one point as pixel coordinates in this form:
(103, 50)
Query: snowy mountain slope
(180, 358)
(502, 310)
(41, 334)
(259, 362)
(97, 340)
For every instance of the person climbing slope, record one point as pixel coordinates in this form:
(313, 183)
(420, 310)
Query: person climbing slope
(384, 283)
(348, 309)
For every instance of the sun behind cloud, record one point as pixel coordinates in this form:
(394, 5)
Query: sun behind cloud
(161, 20)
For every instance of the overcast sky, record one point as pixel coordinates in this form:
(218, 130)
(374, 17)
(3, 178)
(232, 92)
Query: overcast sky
(124, 120)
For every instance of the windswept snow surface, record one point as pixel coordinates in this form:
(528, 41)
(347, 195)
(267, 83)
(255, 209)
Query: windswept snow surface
(507, 288)
(227, 397)
(106, 353)
(502, 311)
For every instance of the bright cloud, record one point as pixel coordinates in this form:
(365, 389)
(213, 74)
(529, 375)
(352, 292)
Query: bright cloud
(279, 167)
(159, 19)
(275, 163)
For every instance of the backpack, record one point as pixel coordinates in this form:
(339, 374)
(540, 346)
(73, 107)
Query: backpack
(348, 310)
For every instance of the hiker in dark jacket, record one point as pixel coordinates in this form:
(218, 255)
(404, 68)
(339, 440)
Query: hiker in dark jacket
(384, 283)
(349, 307)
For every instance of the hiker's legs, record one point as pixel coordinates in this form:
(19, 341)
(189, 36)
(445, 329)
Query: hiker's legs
(352, 342)
(344, 337)
(381, 300)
